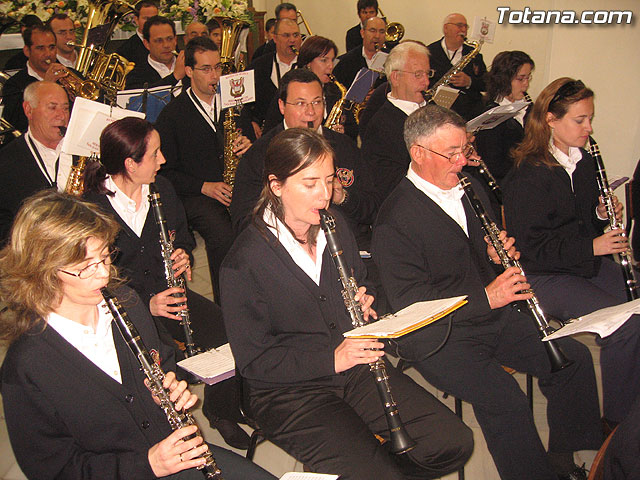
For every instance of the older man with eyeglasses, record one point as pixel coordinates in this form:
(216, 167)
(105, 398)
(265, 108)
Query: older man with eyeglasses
(447, 52)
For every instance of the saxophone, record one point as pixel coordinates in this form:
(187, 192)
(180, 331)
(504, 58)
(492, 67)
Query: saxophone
(401, 442)
(166, 244)
(531, 306)
(607, 195)
(333, 119)
(457, 68)
(75, 182)
(230, 159)
(155, 375)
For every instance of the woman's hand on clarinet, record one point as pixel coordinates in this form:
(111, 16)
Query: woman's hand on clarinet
(617, 207)
(163, 304)
(181, 264)
(174, 454)
(506, 288)
(509, 244)
(356, 351)
(365, 303)
(614, 241)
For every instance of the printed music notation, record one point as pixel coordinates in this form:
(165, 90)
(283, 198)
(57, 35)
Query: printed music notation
(212, 366)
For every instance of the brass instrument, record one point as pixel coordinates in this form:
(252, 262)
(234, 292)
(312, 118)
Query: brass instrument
(626, 262)
(78, 87)
(532, 307)
(6, 128)
(401, 442)
(334, 117)
(457, 68)
(75, 182)
(395, 30)
(300, 20)
(155, 376)
(230, 31)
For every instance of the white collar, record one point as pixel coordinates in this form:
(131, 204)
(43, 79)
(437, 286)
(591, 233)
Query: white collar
(42, 147)
(67, 63)
(456, 54)
(298, 254)
(32, 72)
(160, 67)
(406, 106)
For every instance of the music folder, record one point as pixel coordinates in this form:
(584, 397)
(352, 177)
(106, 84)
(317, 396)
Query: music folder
(495, 116)
(409, 319)
(361, 85)
(212, 366)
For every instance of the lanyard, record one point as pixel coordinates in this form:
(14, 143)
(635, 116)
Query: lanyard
(204, 113)
(53, 182)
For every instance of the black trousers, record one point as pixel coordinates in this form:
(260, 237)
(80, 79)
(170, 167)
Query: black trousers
(330, 428)
(232, 466)
(622, 460)
(221, 399)
(570, 296)
(211, 220)
(469, 366)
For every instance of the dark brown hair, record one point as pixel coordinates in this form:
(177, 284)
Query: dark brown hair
(504, 68)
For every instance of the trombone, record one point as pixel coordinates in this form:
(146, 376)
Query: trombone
(395, 30)
(300, 20)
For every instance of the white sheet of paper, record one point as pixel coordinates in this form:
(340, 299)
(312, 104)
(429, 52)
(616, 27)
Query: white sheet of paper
(445, 96)
(406, 317)
(483, 29)
(495, 116)
(377, 65)
(237, 89)
(211, 363)
(308, 476)
(602, 322)
(86, 115)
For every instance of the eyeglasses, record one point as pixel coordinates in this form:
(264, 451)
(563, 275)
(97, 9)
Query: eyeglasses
(467, 151)
(208, 68)
(92, 268)
(567, 90)
(303, 105)
(459, 25)
(420, 74)
(522, 78)
(295, 35)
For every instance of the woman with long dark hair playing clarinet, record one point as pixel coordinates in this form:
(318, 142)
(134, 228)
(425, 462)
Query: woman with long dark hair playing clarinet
(311, 390)
(130, 158)
(552, 207)
(75, 399)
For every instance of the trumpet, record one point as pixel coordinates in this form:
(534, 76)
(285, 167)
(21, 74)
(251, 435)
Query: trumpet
(76, 86)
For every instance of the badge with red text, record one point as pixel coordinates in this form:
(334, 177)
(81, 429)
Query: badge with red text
(345, 176)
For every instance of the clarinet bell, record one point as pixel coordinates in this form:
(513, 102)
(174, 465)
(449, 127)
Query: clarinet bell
(557, 357)
(400, 440)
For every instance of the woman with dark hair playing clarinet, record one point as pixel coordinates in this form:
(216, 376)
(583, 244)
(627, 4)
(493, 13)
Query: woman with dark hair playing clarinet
(75, 399)
(309, 388)
(130, 158)
(552, 207)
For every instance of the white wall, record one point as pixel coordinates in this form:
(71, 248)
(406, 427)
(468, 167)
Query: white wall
(603, 56)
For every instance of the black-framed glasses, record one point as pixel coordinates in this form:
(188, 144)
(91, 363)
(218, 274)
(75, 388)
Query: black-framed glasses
(208, 68)
(92, 268)
(567, 90)
(304, 105)
(420, 74)
(466, 151)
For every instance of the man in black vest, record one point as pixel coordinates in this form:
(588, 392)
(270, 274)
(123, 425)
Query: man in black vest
(192, 142)
(35, 161)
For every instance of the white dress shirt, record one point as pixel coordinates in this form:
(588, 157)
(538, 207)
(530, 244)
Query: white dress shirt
(49, 157)
(406, 106)
(284, 68)
(126, 207)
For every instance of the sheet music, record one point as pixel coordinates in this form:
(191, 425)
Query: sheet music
(495, 116)
(409, 318)
(602, 322)
(211, 366)
(308, 476)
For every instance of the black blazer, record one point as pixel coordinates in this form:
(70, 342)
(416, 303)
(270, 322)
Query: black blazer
(12, 97)
(349, 65)
(140, 258)
(143, 73)
(267, 47)
(384, 148)
(469, 102)
(353, 170)
(265, 89)
(20, 177)
(553, 225)
(192, 149)
(134, 50)
(280, 343)
(68, 419)
(423, 254)
(354, 38)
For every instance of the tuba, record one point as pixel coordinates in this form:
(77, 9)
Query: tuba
(108, 72)
(230, 30)
(458, 67)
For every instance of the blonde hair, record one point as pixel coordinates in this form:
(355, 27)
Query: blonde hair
(50, 232)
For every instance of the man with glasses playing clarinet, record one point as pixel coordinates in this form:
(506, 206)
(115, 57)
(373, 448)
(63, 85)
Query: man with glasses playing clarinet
(428, 243)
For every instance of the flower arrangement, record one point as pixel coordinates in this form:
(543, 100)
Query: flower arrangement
(187, 11)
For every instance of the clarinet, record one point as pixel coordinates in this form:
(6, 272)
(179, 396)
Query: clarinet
(531, 306)
(155, 375)
(490, 180)
(607, 195)
(401, 442)
(166, 245)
